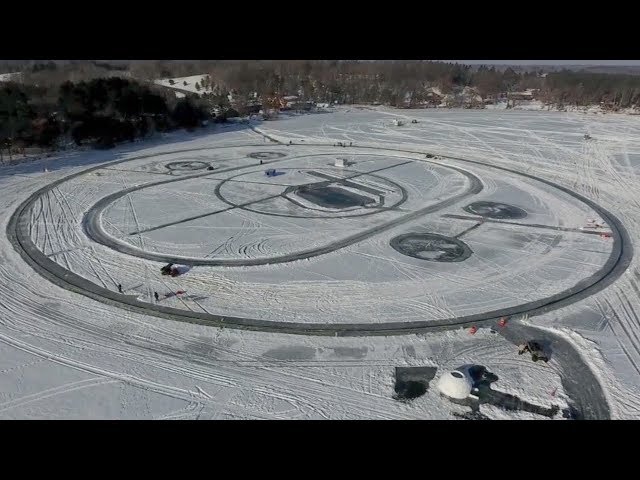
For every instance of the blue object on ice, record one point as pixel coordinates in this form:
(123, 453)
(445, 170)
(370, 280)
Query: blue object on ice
(271, 172)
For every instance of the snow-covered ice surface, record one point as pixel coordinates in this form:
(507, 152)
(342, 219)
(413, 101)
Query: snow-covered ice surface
(366, 282)
(63, 355)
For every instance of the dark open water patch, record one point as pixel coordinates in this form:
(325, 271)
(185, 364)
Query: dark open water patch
(412, 382)
(291, 353)
(496, 210)
(509, 402)
(350, 352)
(432, 247)
(332, 197)
(188, 166)
(266, 155)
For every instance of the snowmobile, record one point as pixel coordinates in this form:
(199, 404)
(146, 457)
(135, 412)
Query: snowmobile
(535, 349)
(169, 269)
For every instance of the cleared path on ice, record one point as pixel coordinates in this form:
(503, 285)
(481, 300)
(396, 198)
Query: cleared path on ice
(95, 232)
(19, 234)
(579, 382)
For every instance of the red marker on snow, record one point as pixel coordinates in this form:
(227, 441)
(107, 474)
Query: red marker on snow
(503, 321)
(473, 330)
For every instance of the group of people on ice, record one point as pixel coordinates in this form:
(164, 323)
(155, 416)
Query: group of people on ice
(169, 269)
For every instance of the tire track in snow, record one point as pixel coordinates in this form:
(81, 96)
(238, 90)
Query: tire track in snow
(620, 336)
(55, 391)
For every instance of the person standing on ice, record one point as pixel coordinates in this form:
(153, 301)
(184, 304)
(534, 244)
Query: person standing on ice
(119, 288)
(155, 294)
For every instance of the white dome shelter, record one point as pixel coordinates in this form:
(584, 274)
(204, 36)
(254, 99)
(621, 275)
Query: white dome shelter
(339, 162)
(456, 384)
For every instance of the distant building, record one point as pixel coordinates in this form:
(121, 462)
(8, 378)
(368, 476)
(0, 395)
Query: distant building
(253, 107)
(489, 100)
(525, 95)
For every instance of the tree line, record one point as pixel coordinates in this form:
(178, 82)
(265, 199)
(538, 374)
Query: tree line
(411, 83)
(395, 83)
(99, 112)
(101, 103)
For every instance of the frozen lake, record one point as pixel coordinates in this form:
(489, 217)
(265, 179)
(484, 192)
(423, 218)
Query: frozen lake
(469, 238)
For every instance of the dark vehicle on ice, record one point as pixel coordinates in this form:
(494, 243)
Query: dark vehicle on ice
(535, 349)
(170, 269)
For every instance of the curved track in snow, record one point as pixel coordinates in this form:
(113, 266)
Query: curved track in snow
(19, 234)
(95, 232)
